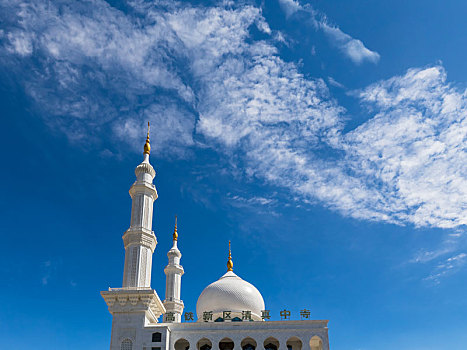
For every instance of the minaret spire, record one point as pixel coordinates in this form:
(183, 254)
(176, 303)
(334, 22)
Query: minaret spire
(147, 145)
(175, 234)
(173, 271)
(230, 262)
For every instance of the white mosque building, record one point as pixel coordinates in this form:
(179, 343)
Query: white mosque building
(231, 314)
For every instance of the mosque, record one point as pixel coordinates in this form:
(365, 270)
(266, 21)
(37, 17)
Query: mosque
(231, 314)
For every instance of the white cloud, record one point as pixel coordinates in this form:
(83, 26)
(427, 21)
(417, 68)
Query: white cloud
(20, 43)
(353, 48)
(196, 73)
(335, 83)
(255, 200)
(447, 267)
(445, 257)
(414, 148)
(290, 6)
(91, 65)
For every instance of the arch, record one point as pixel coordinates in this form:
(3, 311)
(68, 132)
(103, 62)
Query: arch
(248, 344)
(271, 343)
(156, 337)
(181, 344)
(294, 343)
(226, 344)
(204, 344)
(127, 344)
(316, 343)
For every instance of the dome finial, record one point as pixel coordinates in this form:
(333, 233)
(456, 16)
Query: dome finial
(147, 146)
(230, 262)
(175, 235)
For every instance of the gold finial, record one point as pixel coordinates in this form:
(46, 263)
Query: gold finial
(230, 262)
(147, 146)
(175, 235)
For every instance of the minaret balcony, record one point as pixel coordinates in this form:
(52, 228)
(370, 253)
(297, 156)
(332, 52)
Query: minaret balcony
(140, 236)
(144, 188)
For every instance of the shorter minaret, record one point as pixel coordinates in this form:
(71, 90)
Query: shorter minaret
(174, 271)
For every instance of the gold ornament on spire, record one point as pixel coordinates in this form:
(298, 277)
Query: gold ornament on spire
(230, 262)
(147, 146)
(175, 235)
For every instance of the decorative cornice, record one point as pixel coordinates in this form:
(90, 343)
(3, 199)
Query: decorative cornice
(121, 300)
(178, 269)
(143, 188)
(140, 236)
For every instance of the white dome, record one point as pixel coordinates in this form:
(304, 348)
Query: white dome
(230, 293)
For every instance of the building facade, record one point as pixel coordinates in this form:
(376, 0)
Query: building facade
(231, 314)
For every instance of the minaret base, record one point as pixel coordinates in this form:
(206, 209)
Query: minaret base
(134, 300)
(174, 311)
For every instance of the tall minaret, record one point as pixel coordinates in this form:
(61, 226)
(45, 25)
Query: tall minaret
(174, 271)
(136, 304)
(139, 239)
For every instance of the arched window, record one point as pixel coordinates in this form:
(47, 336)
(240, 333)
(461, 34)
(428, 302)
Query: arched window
(204, 344)
(127, 344)
(316, 343)
(294, 343)
(248, 344)
(271, 343)
(156, 337)
(226, 344)
(182, 344)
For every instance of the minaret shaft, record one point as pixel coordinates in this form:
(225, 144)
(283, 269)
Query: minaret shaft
(173, 271)
(139, 239)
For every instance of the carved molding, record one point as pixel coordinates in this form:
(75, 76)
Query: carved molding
(175, 269)
(145, 188)
(140, 236)
(134, 300)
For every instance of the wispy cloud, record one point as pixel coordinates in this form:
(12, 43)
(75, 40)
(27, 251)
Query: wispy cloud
(414, 148)
(335, 83)
(290, 6)
(90, 65)
(255, 200)
(445, 257)
(198, 74)
(47, 269)
(353, 48)
(447, 267)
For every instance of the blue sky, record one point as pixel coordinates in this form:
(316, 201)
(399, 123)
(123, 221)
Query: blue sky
(326, 139)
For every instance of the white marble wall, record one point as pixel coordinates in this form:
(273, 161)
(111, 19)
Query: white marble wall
(282, 331)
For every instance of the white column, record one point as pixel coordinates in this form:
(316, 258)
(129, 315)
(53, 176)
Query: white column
(173, 271)
(282, 343)
(139, 239)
